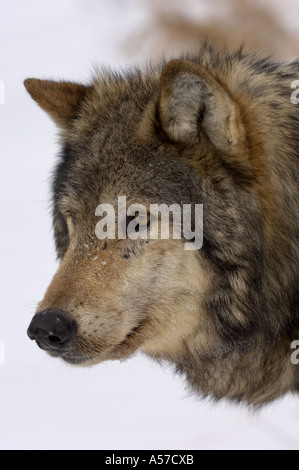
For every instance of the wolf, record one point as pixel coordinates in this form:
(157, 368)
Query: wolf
(215, 128)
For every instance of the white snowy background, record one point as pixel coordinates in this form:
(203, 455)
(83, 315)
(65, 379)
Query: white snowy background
(45, 404)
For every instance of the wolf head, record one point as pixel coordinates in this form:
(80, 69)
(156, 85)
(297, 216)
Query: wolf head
(189, 132)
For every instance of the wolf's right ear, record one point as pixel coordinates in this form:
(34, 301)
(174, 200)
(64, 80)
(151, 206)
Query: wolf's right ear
(59, 99)
(192, 99)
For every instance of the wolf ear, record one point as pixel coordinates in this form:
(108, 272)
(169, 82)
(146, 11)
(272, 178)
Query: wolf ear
(191, 99)
(59, 99)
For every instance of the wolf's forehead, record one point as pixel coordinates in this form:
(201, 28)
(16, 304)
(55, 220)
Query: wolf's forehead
(123, 94)
(100, 172)
(132, 84)
(111, 113)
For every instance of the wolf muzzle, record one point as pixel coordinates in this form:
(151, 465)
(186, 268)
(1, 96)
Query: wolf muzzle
(52, 330)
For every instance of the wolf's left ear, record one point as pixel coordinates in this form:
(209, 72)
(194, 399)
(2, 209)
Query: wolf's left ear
(192, 99)
(59, 99)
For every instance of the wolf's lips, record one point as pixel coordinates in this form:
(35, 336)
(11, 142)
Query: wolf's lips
(72, 357)
(75, 360)
(123, 349)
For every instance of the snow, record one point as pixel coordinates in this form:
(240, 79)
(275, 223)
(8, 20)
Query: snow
(46, 404)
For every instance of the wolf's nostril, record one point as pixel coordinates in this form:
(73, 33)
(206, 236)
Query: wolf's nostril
(52, 330)
(55, 339)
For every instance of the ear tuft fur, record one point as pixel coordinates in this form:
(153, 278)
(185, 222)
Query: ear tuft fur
(59, 99)
(191, 99)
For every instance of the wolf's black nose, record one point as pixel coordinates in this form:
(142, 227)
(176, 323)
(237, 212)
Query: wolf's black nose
(52, 330)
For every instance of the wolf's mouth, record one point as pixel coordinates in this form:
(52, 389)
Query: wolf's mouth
(75, 360)
(120, 351)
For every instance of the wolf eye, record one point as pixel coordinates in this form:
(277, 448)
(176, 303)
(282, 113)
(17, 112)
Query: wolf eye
(137, 221)
(143, 218)
(70, 225)
(129, 219)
